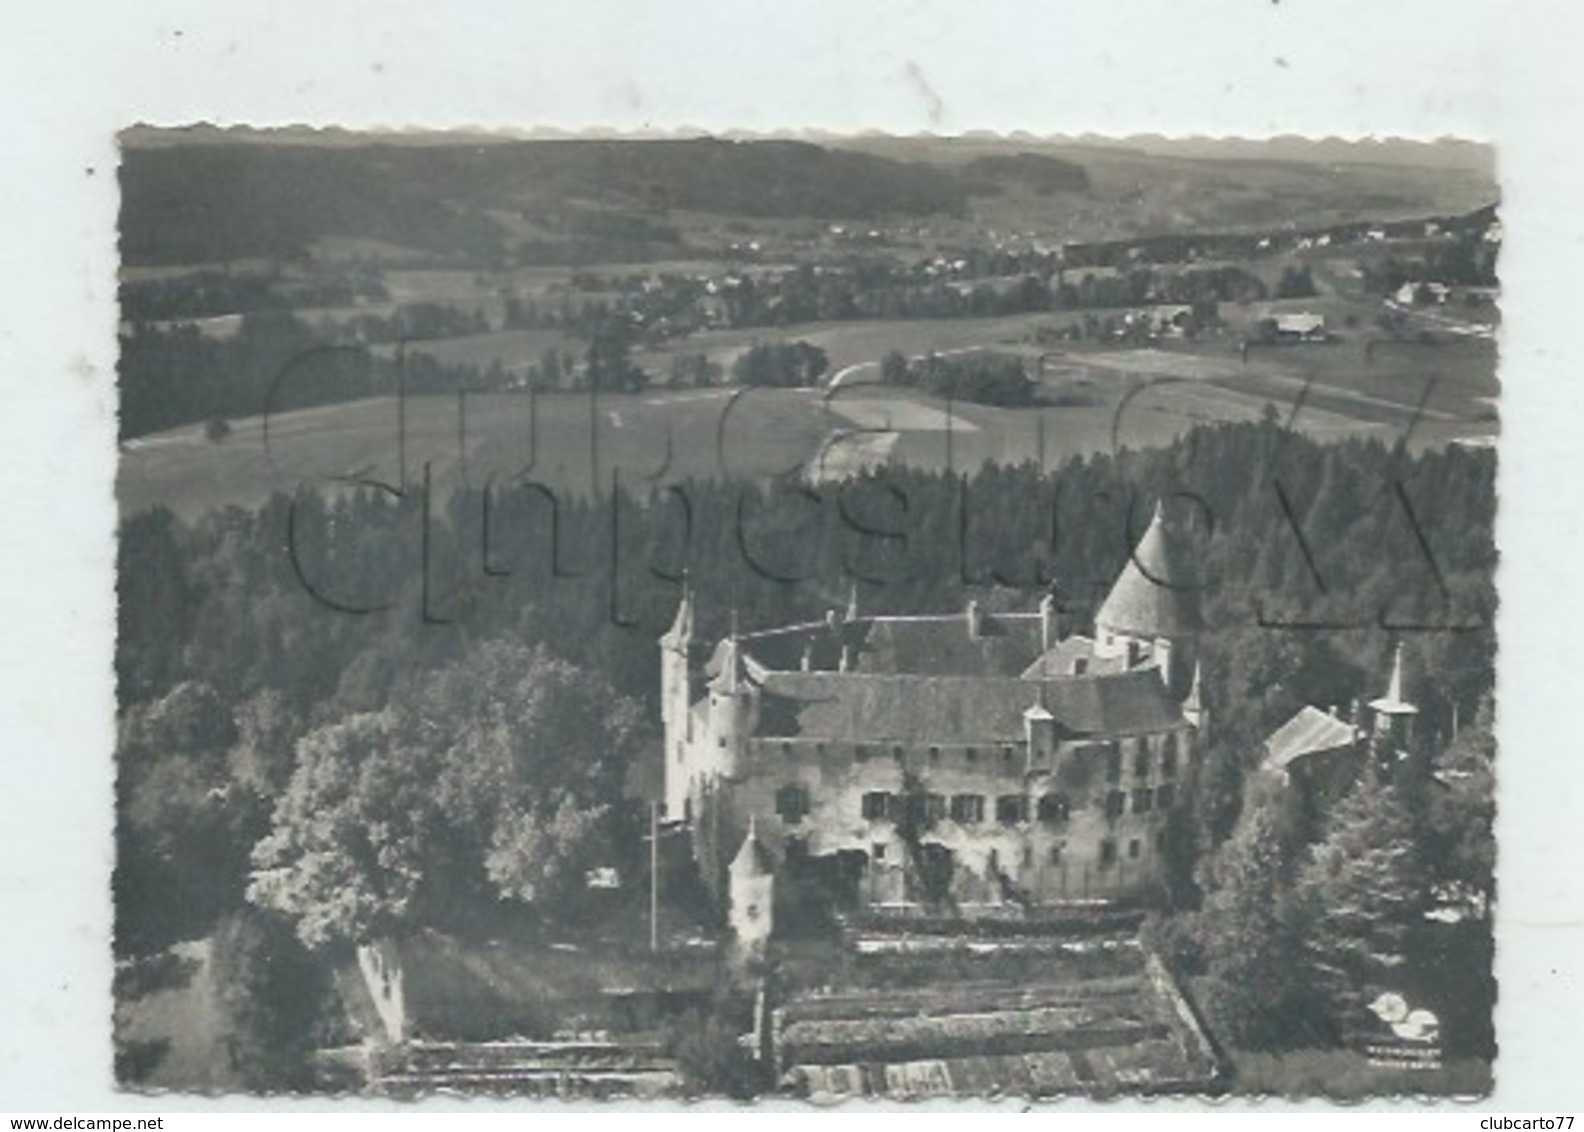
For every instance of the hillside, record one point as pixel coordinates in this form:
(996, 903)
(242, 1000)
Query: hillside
(209, 202)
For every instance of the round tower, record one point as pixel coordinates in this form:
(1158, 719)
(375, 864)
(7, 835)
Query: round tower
(731, 713)
(1151, 616)
(1393, 716)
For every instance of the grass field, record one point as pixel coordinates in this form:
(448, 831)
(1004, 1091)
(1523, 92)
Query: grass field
(1102, 397)
(859, 342)
(514, 350)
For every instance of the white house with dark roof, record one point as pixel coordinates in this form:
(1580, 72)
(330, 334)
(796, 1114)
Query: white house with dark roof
(974, 762)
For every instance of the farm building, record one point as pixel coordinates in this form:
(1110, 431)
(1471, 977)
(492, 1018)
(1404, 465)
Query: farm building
(1316, 752)
(1320, 753)
(973, 761)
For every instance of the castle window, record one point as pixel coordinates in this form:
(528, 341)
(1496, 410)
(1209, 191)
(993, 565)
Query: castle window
(1107, 853)
(877, 851)
(967, 808)
(1054, 808)
(721, 742)
(1011, 809)
(934, 807)
(1165, 796)
(1143, 800)
(972, 756)
(934, 756)
(1080, 666)
(1056, 852)
(819, 750)
(876, 804)
(792, 802)
(1169, 755)
(786, 749)
(1160, 841)
(861, 753)
(1135, 847)
(1141, 761)
(1028, 855)
(1113, 764)
(898, 754)
(1007, 755)
(1116, 804)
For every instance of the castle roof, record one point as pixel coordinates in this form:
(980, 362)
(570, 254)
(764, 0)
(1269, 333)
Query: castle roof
(859, 707)
(1156, 594)
(946, 646)
(1309, 732)
(680, 635)
(924, 644)
(1062, 658)
(753, 859)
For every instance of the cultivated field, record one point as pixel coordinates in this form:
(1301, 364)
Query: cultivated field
(1104, 398)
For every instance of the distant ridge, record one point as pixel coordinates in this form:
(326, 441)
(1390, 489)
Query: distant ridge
(206, 197)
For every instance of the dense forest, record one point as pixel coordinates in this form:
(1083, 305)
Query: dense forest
(365, 713)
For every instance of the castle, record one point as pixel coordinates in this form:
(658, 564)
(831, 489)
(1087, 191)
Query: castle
(967, 762)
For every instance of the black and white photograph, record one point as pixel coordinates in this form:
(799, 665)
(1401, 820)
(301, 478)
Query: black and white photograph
(812, 617)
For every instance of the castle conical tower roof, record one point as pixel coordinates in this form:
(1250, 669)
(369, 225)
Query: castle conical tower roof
(1156, 594)
(753, 859)
(680, 635)
(1193, 702)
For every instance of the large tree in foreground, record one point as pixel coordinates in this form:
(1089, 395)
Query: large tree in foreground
(1256, 988)
(271, 994)
(496, 778)
(1362, 888)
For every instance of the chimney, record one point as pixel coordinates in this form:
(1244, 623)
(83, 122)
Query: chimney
(975, 621)
(1050, 627)
(807, 663)
(1163, 660)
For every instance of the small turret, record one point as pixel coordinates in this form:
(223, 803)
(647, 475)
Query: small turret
(731, 711)
(1039, 728)
(1193, 706)
(751, 877)
(680, 635)
(1393, 714)
(848, 629)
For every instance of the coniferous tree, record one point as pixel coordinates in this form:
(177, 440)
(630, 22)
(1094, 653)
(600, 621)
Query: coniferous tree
(1361, 890)
(1251, 939)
